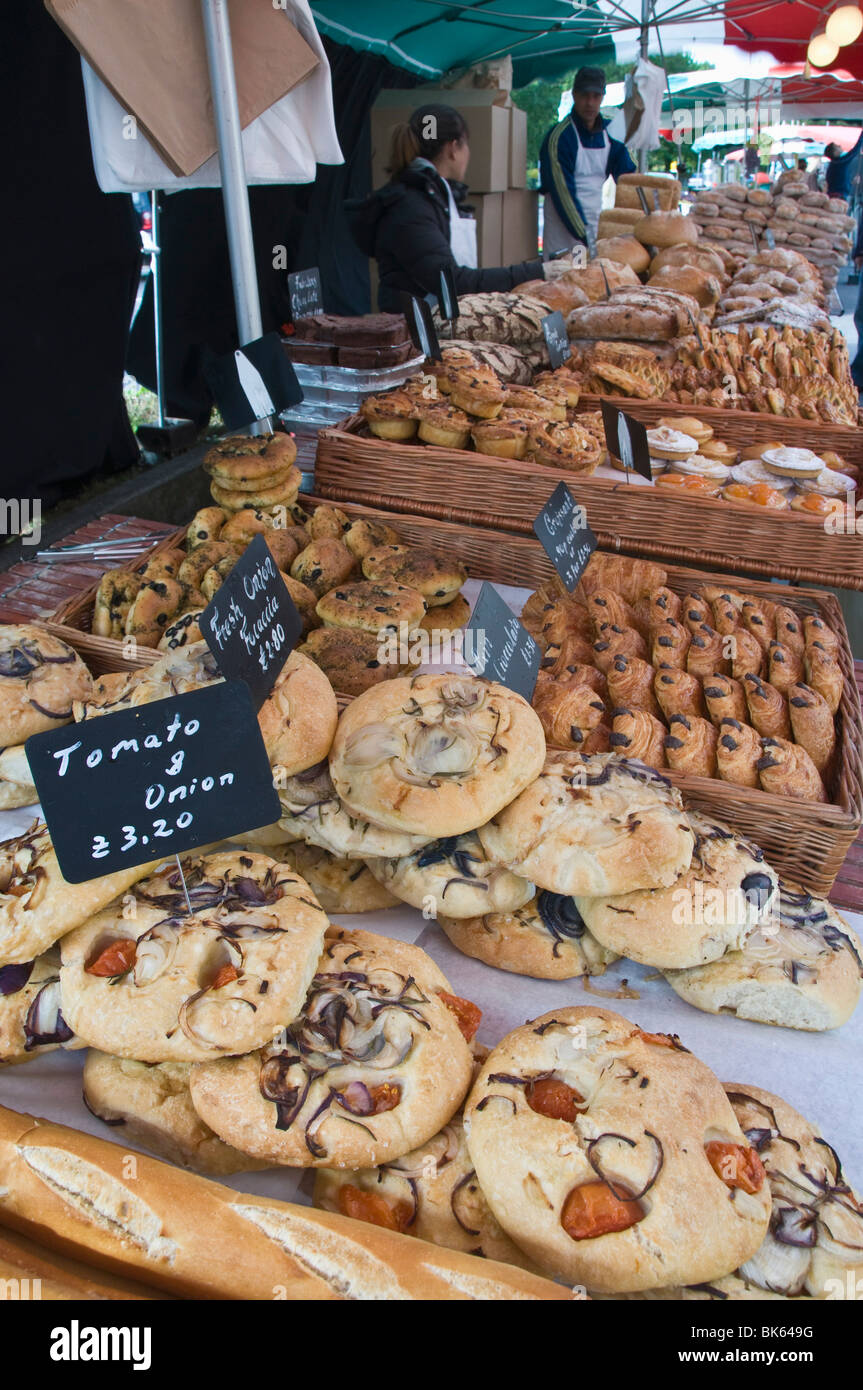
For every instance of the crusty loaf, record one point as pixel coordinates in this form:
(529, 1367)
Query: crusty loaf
(44, 1275)
(147, 1220)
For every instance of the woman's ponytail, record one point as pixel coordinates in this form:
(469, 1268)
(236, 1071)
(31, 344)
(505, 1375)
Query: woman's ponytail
(425, 134)
(404, 148)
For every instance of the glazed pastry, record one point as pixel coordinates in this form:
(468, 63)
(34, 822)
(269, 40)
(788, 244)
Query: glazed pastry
(690, 745)
(390, 416)
(562, 382)
(812, 725)
(759, 622)
(738, 750)
(526, 399)
(444, 425)
(630, 684)
(784, 666)
(477, 390)
(637, 734)
(694, 611)
(706, 654)
(564, 446)
(786, 769)
(617, 641)
(789, 630)
(816, 630)
(568, 713)
(503, 438)
(768, 709)
(725, 699)
(824, 674)
(726, 618)
(670, 644)
(663, 604)
(678, 692)
(747, 655)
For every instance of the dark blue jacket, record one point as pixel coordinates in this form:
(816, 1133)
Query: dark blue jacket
(558, 167)
(837, 180)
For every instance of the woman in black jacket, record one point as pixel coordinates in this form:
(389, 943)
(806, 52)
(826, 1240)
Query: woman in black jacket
(412, 225)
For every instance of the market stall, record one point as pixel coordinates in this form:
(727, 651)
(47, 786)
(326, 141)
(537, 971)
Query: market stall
(436, 885)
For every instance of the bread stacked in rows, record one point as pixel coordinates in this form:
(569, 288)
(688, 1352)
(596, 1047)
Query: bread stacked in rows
(710, 683)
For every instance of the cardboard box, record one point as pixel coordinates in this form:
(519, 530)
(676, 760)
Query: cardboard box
(517, 147)
(153, 57)
(520, 225)
(487, 118)
(489, 227)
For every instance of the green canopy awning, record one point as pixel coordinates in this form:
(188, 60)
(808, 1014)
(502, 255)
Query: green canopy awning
(432, 37)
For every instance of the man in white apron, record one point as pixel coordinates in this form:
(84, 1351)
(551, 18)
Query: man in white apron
(576, 158)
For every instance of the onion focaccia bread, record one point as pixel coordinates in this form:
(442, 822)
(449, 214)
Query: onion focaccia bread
(593, 825)
(547, 938)
(166, 985)
(37, 905)
(802, 968)
(711, 909)
(456, 875)
(40, 678)
(153, 1106)
(30, 1018)
(311, 811)
(612, 1157)
(375, 1064)
(16, 780)
(435, 755)
(814, 1248)
(340, 885)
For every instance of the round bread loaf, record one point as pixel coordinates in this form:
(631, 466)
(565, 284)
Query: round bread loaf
(665, 229)
(687, 279)
(626, 249)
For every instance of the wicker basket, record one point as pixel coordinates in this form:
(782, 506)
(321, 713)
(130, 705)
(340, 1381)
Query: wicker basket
(804, 840)
(637, 520)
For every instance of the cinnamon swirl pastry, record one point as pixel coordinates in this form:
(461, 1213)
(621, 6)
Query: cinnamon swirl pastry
(786, 769)
(390, 416)
(768, 710)
(738, 750)
(635, 733)
(564, 446)
(678, 693)
(476, 390)
(503, 438)
(547, 407)
(563, 384)
(690, 745)
(443, 425)
(630, 684)
(812, 725)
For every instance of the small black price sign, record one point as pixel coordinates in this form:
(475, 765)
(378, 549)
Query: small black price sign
(447, 297)
(421, 326)
(251, 624)
(770, 238)
(154, 781)
(505, 651)
(626, 438)
(254, 382)
(566, 536)
(556, 339)
(305, 294)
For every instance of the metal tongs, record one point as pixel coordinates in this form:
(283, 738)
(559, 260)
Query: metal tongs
(124, 548)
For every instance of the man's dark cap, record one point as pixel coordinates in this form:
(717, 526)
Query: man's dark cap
(589, 80)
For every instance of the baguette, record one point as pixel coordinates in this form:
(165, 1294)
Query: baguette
(45, 1276)
(144, 1219)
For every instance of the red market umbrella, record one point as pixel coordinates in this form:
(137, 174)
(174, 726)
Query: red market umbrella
(784, 30)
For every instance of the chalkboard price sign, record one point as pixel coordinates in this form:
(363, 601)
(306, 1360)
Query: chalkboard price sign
(305, 294)
(566, 536)
(505, 651)
(556, 339)
(626, 438)
(251, 624)
(153, 781)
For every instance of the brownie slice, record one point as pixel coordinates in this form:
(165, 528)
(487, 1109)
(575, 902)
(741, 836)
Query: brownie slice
(372, 358)
(310, 354)
(371, 331)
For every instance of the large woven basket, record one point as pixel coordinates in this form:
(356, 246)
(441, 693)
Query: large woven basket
(804, 840)
(459, 485)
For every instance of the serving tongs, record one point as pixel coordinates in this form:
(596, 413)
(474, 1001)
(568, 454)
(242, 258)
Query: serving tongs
(124, 548)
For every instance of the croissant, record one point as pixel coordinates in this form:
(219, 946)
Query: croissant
(677, 692)
(662, 604)
(562, 620)
(630, 684)
(816, 630)
(725, 699)
(632, 579)
(747, 656)
(576, 675)
(568, 713)
(789, 630)
(635, 733)
(690, 745)
(786, 769)
(738, 749)
(713, 592)
(559, 659)
(768, 710)
(541, 600)
(706, 653)
(617, 641)
(670, 644)
(605, 606)
(694, 611)
(784, 666)
(759, 623)
(824, 674)
(812, 725)
(726, 618)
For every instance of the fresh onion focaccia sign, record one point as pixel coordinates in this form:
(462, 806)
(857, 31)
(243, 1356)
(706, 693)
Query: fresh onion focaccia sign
(153, 781)
(251, 625)
(566, 536)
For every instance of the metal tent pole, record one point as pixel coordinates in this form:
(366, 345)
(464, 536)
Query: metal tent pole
(238, 221)
(156, 272)
(643, 45)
